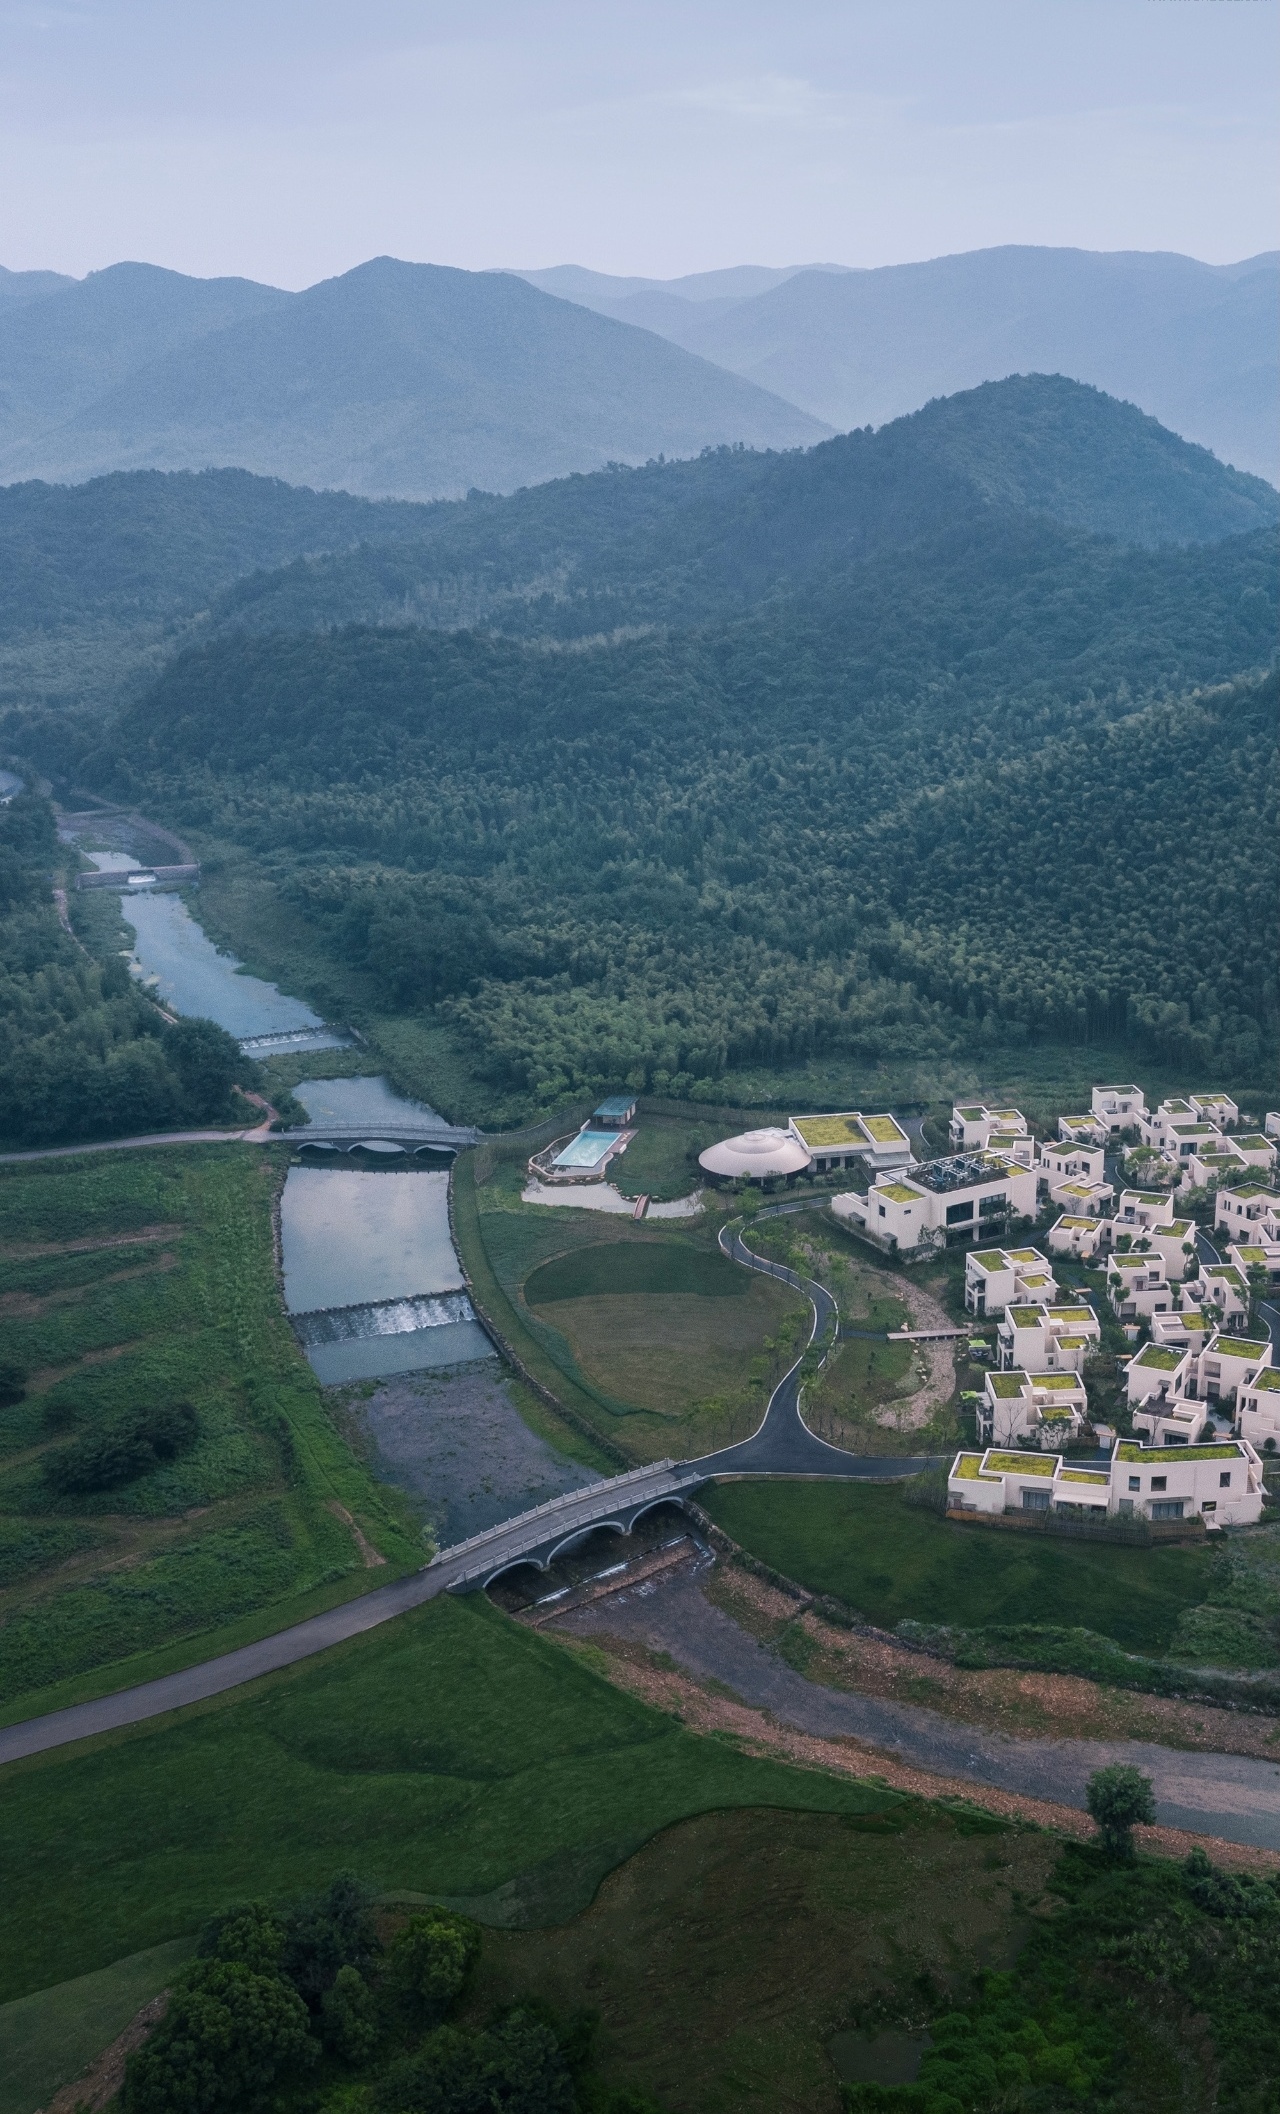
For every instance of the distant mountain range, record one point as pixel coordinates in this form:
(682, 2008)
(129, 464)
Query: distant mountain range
(406, 380)
(1196, 345)
(417, 382)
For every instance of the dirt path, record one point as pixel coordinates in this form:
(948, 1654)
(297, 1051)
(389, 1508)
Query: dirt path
(999, 1699)
(1234, 1797)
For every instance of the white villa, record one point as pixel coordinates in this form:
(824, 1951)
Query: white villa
(1046, 1339)
(1078, 1237)
(995, 1278)
(1258, 1410)
(1031, 1408)
(965, 1194)
(1220, 1483)
(837, 1141)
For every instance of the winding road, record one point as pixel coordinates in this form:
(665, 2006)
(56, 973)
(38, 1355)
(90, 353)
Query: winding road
(784, 1444)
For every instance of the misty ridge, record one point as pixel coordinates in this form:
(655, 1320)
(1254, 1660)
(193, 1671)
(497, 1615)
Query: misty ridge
(419, 382)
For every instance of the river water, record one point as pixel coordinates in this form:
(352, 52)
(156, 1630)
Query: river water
(371, 1276)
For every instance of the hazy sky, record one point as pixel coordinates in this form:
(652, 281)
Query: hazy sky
(289, 139)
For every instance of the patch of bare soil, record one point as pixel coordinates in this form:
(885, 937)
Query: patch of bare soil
(936, 1360)
(369, 1556)
(998, 1699)
(21, 1306)
(31, 1251)
(666, 1688)
(104, 2077)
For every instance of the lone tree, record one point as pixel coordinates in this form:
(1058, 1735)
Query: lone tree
(1120, 1799)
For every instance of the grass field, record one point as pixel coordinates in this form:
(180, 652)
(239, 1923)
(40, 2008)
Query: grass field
(893, 1561)
(662, 1159)
(129, 1282)
(728, 1952)
(51, 2037)
(651, 1340)
(653, 1268)
(450, 1753)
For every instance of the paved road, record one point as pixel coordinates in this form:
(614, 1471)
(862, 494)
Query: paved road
(784, 1444)
(131, 1706)
(1229, 1795)
(465, 1564)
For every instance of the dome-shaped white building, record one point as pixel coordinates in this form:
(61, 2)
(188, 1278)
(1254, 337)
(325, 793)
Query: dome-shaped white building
(756, 1156)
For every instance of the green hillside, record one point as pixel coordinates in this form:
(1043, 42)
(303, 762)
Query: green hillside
(683, 542)
(922, 811)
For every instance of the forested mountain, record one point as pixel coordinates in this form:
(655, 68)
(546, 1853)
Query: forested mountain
(1194, 344)
(882, 750)
(63, 351)
(408, 380)
(151, 544)
(933, 804)
(682, 542)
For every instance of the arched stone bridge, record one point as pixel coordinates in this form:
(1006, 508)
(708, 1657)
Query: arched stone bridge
(539, 1536)
(348, 1137)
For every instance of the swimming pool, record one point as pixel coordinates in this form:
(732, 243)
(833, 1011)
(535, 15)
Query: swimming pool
(588, 1149)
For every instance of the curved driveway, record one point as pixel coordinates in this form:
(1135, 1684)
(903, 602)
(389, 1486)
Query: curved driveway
(784, 1444)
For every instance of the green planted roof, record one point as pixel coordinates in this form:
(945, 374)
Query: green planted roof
(1161, 1359)
(1008, 1386)
(1127, 1450)
(1021, 1463)
(968, 1465)
(1238, 1347)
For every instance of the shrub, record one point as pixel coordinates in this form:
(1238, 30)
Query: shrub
(119, 1452)
(348, 2016)
(430, 1961)
(227, 2037)
(517, 2065)
(13, 1383)
(323, 1936)
(1120, 1799)
(251, 1935)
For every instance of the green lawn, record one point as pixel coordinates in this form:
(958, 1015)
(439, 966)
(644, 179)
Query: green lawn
(654, 1266)
(614, 1318)
(131, 1282)
(52, 2036)
(893, 1561)
(662, 1159)
(450, 1753)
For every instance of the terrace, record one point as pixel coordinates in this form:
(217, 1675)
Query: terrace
(964, 1170)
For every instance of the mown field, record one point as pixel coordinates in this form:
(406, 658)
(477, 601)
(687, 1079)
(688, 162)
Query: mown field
(449, 1753)
(651, 1340)
(168, 1474)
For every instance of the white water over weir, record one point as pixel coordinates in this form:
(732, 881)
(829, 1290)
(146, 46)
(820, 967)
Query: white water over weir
(372, 1282)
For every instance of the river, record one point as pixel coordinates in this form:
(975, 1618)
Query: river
(372, 1279)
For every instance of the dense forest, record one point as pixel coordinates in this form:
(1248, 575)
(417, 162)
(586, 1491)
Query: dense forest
(83, 1054)
(682, 543)
(988, 789)
(902, 756)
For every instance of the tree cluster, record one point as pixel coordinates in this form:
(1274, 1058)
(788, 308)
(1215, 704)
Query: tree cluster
(276, 1994)
(83, 1054)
